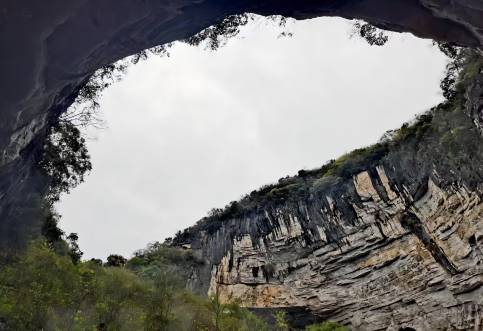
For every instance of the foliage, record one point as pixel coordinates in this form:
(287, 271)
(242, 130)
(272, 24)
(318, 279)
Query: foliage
(159, 258)
(326, 326)
(447, 49)
(216, 35)
(85, 111)
(55, 238)
(74, 251)
(161, 50)
(415, 130)
(42, 290)
(230, 316)
(118, 299)
(50, 229)
(448, 83)
(65, 160)
(281, 323)
(36, 291)
(370, 33)
(115, 260)
(355, 161)
(463, 65)
(159, 302)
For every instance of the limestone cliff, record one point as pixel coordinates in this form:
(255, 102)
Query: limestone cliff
(382, 238)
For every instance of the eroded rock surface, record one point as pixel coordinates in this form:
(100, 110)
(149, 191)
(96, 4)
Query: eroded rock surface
(395, 266)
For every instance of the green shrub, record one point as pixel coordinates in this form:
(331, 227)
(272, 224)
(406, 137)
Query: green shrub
(281, 323)
(42, 290)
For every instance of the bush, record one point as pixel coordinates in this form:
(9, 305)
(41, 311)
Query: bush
(115, 260)
(44, 291)
(281, 323)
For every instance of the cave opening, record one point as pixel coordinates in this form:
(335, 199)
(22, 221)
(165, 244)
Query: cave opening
(197, 129)
(186, 133)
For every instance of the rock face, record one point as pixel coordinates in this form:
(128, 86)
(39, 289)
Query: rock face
(385, 238)
(52, 47)
(394, 267)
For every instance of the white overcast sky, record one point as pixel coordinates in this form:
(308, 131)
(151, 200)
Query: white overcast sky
(199, 129)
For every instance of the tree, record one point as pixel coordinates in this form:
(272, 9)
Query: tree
(453, 68)
(65, 160)
(217, 309)
(115, 260)
(119, 300)
(74, 251)
(451, 51)
(162, 50)
(216, 35)
(38, 289)
(371, 34)
(50, 229)
(43, 290)
(96, 262)
(85, 111)
(159, 303)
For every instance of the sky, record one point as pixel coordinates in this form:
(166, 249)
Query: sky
(198, 129)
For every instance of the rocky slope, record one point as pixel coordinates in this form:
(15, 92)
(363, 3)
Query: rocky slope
(383, 238)
(52, 47)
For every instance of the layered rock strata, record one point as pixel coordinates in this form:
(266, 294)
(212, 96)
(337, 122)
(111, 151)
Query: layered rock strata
(396, 266)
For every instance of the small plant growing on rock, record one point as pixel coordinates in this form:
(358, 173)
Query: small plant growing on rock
(281, 323)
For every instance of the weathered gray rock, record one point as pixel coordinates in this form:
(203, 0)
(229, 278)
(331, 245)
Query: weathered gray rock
(381, 275)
